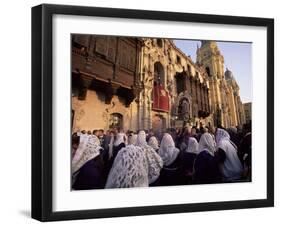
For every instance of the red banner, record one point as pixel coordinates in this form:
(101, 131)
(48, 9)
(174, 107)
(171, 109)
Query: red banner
(160, 99)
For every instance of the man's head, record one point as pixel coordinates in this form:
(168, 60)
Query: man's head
(95, 132)
(193, 130)
(101, 132)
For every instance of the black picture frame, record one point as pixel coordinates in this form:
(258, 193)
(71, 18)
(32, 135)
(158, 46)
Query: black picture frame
(42, 108)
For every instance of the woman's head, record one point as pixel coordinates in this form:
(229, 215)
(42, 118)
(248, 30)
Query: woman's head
(167, 150)
(192, 146)
(132, 139)
(130, 169)
(153, 142)
(89, 148)
(141, 138)
(221, 134)
(207, 143)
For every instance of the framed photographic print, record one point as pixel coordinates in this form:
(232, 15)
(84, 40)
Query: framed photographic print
(146, 112)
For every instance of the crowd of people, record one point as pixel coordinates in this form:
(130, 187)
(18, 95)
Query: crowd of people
(115, 159)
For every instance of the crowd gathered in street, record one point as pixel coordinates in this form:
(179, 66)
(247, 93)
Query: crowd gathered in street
(183, 156)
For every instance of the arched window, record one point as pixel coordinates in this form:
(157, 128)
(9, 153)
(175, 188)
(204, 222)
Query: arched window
(189, 69)
(159, 74)
(178, 60)
(116, 121)
(208, 71)
(159, 42)
(180, 82)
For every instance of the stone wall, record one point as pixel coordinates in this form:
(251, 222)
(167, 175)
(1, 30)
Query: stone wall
(92, 113)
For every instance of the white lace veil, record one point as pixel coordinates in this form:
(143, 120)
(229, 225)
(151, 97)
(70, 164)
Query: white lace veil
(130, 169)
(88, 148)
(221, 134)
(153, 142)
(155, 162)
(141, 139)
(207, 143)
(167, 150)
(192, 146)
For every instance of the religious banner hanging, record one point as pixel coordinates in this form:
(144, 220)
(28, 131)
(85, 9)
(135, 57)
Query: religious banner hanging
(160, 99)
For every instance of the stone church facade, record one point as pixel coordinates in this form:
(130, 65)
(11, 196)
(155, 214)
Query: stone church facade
(144, 83)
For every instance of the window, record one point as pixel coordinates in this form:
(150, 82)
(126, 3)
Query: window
(180, 82)
(178, 60)
(159, 43)
(189, 69)
(159, 74)
(208, 71)
(116, 121)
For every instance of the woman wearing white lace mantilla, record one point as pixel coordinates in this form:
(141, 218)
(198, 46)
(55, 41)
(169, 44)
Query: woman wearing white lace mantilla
(155, 163)
(87, 164)
(130, 169)
(153, 142)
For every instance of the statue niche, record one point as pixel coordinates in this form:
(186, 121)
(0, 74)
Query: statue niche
(183, 109)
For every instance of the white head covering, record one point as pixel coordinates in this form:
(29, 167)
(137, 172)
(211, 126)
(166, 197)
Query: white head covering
(167, 150)
(132, 139)
(141, 139)
(231, 168)
(192, 146)
(207, 143)
(130, 169)
(88, 148)
(120, 138)
(221, 134)
(155, 162)
(153, 142)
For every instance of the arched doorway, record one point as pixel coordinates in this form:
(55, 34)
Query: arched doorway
(116, 121)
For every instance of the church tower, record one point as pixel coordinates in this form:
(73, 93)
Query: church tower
(210, 58)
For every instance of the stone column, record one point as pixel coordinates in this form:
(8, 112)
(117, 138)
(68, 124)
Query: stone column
(188, 85)
(198, 94)
(194, 98)
(207, 99)
(185, 81)
(232, 107)
(146, 113)
(203, 97)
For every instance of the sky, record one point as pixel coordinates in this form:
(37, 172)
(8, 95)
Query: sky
(237, 58)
